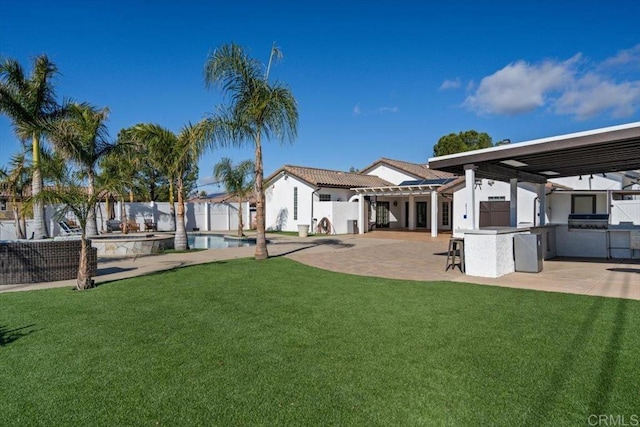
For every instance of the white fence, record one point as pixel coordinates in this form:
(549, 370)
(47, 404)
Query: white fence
(203, 216)
(625, 211)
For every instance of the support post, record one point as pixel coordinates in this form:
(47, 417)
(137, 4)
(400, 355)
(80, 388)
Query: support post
(542, 205)
(513, 203)
(434, 213)
(470, 188)
(361, 215)
(412, 212)
(206, 216)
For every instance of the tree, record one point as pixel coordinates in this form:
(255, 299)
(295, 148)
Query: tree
(461, 142)
(14, 182)
(178, 153)
(73, 198)
(238, 182)
(257, 109)
(81, 136)
(29, 102)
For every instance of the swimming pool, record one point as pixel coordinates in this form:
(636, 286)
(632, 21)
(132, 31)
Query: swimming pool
(215, 241)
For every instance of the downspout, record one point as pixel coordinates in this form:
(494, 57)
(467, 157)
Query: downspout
(535, 212)
(311, 223)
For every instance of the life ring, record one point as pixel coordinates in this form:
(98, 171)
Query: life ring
(324, 226)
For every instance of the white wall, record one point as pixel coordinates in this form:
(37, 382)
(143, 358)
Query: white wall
(338, 213)
(337, 194)
(392, 175)
(559, 205)
(279, 204)
(526, 199)
(612, 181)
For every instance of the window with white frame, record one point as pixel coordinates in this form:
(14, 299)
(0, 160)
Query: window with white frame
(497, 198)
(295, 203)
(324, 197)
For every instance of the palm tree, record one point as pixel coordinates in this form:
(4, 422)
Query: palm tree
(179, 152)
(27, 101)
(82, 137)
(14, 182)
(236, 182)
(257, 110)
(72, 198)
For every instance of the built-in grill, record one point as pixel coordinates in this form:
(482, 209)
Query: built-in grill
(588, 221)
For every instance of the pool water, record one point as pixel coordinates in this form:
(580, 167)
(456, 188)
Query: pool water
(213, 241)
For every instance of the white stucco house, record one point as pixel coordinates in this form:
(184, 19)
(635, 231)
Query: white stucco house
(386, 194)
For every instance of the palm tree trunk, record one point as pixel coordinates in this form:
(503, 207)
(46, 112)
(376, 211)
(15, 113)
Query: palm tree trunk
(123, 215)
(261, 241)
(20, 231)
(180, 239)
(84, 275)
(172, 208)
(92, 225)
(240, 224)
(40, 225)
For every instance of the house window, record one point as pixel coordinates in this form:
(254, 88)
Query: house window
(324, 197)
(583, 203)
(445, 213)
(497, 198)
(295, 203)
(3, 205)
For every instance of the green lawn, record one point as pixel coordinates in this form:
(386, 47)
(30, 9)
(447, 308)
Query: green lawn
(280, 343)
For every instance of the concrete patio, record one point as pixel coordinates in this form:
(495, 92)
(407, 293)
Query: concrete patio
(390, 254)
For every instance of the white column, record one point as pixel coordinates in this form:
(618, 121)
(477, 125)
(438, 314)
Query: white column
(361, 215)
(206, 216)
(434, 213)
(470, 188)
(412, 212)
(542, 205)
(513, 203)
(228, 204)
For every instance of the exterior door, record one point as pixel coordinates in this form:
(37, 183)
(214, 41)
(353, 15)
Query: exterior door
(421, 214)
(382, 215)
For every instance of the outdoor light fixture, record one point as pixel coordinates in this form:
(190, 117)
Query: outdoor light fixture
(604, 175)
(580, 179)
(591, 176)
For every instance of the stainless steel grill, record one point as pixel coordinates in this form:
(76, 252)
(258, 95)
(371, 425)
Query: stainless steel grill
(588, 221)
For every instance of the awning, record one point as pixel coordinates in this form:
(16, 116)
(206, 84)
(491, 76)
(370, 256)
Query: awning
(612, 149)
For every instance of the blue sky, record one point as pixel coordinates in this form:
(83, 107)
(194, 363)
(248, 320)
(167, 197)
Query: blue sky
(372, 79)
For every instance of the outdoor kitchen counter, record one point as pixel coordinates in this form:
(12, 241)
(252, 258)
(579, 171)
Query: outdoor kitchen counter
(618, 241)
(489, 251)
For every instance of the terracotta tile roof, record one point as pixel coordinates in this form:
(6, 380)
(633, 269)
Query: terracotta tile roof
(331, 178)
(416, 169)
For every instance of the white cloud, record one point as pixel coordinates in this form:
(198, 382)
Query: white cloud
(451, 84)
(573, 87)
(358, 111)
(383, 110)
(591, 95)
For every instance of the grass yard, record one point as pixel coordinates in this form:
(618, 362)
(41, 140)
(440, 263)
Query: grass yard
(280, 343)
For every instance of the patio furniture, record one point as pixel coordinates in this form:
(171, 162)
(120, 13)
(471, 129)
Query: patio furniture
(456, 250)
(113, 225)
(69, 229)
(149, 225)
(131, 225)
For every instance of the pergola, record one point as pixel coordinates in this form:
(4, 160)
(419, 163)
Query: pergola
(411, 189)
(611, 149)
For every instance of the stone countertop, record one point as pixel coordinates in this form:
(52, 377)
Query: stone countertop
(496, 230)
